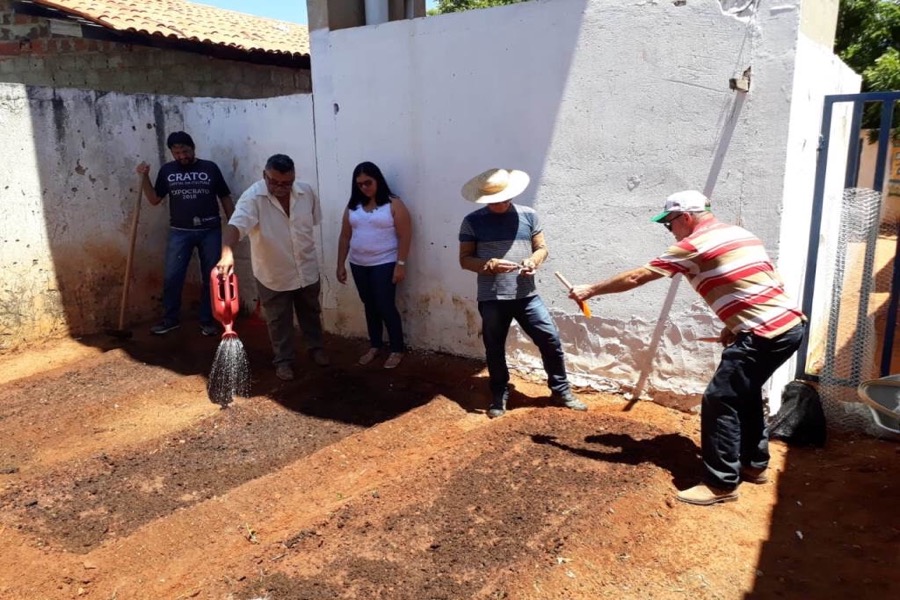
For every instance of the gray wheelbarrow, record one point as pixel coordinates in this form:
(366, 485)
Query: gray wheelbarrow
(882, 396)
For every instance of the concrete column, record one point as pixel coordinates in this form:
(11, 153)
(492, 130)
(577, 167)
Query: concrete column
(818, 20)
(335, 14)
(406, 9)
(340, 14)
(376, 12)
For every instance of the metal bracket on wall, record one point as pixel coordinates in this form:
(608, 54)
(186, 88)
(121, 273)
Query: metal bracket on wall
(742, 83)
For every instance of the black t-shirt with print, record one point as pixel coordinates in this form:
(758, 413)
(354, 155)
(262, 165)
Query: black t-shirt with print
(194, 193)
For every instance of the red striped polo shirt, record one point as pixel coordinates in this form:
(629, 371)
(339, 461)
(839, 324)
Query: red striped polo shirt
(729, 267)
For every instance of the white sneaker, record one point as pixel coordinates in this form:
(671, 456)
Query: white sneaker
(393, 360)
(368, 357)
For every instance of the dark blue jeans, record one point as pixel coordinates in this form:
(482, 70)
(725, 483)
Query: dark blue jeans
(733, 428)
(179, 250)
(534, 319)
(378, 294)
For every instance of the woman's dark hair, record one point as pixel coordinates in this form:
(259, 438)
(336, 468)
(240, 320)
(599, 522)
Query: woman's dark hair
(383, 194)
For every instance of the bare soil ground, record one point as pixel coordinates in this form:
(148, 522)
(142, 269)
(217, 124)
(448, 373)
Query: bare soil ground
(120, 480)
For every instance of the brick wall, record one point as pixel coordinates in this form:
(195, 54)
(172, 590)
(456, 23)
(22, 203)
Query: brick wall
(30, 54)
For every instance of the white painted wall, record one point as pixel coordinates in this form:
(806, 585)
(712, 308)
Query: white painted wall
(610, 106)
(818, 73)
(243, 134)
(69, 190)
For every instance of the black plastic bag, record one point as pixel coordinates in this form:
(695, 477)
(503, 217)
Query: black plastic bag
(800, 420)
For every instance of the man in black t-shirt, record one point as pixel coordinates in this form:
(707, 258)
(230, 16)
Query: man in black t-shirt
(194, 187)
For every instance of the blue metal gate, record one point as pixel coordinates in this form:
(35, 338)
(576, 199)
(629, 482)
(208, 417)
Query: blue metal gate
(887, 101)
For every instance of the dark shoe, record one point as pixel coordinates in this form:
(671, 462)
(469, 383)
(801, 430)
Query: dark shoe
(569, 400)
(754, 475)
(319, 357)
(498, 405)
(284, 372)
(210, 329)
(704, 495)
(164, 327)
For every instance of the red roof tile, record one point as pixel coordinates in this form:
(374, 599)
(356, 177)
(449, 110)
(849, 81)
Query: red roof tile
(184, 20)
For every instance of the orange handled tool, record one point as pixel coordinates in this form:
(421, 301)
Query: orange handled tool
(585, 309)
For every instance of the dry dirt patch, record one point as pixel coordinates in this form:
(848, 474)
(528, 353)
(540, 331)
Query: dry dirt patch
(118, 479)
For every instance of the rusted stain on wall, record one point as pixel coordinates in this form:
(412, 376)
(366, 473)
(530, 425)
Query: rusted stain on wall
(69, 190)
(70, 158)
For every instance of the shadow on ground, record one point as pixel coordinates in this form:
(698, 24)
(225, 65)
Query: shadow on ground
(673, 452)
(857, 523)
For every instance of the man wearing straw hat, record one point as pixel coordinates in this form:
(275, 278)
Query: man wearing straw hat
(728, 266)
(504, 244)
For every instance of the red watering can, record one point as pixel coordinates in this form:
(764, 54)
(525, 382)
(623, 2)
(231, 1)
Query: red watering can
(223, 294)
(230, 374)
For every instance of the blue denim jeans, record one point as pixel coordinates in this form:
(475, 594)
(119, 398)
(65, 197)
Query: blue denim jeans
(179, 250)
(733, 428)
(534, 319)
(378, 294)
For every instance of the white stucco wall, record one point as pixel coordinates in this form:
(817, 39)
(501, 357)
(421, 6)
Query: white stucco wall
(242, 134)
(69, 190)
(610, 106)
(818, 73)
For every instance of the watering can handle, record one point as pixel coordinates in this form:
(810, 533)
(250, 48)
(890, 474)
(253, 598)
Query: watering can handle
(223, 295)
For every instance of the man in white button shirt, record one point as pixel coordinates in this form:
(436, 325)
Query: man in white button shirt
(279, 215)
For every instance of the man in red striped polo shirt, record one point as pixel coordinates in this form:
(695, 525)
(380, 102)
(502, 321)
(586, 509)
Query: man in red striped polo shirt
(728, 266)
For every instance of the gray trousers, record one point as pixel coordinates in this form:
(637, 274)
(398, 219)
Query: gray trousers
(279, 309)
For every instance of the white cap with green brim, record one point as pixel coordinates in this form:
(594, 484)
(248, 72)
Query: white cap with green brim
(688, 201)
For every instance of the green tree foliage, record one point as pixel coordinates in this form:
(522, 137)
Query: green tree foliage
(868, 40)
(449, 6)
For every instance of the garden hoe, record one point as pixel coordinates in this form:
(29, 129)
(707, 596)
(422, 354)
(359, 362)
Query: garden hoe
(585, 309)
(120, 332)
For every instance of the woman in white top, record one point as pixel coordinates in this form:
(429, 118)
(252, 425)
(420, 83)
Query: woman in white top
(375, 235)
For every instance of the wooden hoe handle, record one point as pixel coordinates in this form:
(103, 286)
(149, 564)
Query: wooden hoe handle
(585, 309)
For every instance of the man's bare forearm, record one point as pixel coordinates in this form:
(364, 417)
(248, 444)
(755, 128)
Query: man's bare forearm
(622, 282)
(230, 237)
(472, 263)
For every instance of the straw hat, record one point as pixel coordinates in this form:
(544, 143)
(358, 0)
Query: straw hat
(495, 185)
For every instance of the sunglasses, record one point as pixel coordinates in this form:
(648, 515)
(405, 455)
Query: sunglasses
(668, 224)
(366, 183)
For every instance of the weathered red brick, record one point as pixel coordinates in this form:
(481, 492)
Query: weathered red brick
(41, 47)
(25, 20)
(9, 49)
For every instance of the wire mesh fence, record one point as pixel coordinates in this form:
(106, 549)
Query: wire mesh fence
(853, 332)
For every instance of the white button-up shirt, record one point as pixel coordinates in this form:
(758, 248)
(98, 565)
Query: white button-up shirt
(282, 249)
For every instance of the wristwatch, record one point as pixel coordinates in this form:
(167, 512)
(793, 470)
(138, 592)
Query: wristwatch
(402, 263)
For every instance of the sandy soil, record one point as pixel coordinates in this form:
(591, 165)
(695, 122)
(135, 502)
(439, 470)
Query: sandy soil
(119, 480)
